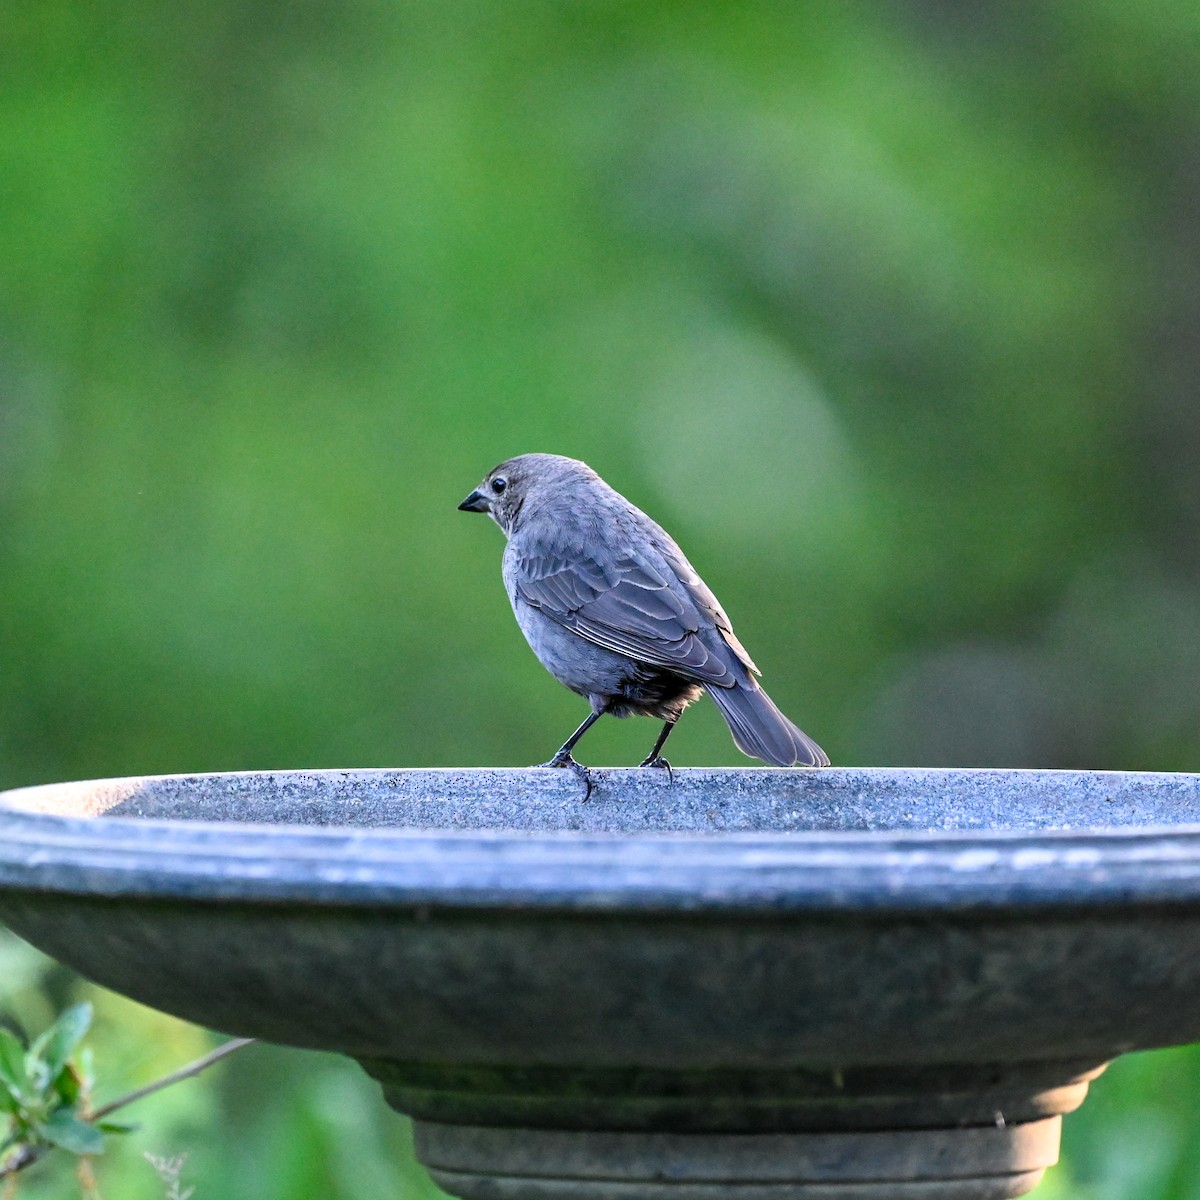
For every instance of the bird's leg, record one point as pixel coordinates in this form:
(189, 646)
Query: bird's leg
(654, 759)
(562, 757)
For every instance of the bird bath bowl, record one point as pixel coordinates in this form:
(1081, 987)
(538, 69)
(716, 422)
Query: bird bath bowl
(746, 984)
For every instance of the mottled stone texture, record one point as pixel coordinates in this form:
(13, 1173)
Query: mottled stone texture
(628, 801)
(743, 983)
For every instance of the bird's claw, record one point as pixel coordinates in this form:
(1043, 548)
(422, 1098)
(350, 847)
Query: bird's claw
(565, 760)
(657, 760)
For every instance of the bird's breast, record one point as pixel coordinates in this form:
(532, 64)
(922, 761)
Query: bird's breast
(576, 663)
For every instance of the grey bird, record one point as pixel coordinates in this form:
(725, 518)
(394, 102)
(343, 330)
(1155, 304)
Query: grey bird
(613, 610)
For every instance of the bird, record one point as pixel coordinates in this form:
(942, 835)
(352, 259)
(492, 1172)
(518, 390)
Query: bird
(613, 610)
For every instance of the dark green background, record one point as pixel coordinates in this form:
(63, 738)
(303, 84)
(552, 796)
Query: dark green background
(887, 311)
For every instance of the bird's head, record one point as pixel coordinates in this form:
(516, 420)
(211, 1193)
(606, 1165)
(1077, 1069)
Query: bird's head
(504, 490)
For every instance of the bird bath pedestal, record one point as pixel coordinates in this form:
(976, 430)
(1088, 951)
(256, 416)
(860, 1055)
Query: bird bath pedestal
(740, 984)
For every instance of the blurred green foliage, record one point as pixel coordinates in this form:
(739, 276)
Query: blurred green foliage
(887, 311)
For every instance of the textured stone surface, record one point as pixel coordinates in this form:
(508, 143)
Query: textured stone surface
(502, 1163)
(752, 838)
(737, 954)
(625, 801)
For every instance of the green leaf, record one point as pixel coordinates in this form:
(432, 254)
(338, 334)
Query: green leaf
(55, 1045)
(63, 1128)
(85, 1067)
(12, 1063)
(116, 1127)
(68, 1085)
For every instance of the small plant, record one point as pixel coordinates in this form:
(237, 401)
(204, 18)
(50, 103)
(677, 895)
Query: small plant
(45, 1102)
(168, 1171)
(44, 1091)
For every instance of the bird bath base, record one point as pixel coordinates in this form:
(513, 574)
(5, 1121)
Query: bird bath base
(746, 984)
(498, 1164)
(918, 1135)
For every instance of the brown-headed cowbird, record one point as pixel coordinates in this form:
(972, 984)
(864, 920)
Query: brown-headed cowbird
(613, 610)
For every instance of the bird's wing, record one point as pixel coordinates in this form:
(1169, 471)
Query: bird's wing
(704, 600)
(643, 604)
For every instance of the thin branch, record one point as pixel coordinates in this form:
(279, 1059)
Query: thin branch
(25, 1156)
(193, 1068)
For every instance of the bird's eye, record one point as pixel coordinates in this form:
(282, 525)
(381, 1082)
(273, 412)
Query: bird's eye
(499, 484)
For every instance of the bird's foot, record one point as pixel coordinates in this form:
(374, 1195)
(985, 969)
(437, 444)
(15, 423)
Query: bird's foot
(565, 760)
(657, 760)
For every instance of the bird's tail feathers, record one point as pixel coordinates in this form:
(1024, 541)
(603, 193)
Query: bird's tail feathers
(762, 731)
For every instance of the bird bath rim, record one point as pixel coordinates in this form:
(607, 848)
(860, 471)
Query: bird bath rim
(752, 839)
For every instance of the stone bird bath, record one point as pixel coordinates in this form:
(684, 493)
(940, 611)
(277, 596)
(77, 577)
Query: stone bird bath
(745, 984)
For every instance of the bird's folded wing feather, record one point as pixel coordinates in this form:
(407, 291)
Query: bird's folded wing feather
(654, 609)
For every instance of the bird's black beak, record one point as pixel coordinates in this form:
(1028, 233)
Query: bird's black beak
(475, 502)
